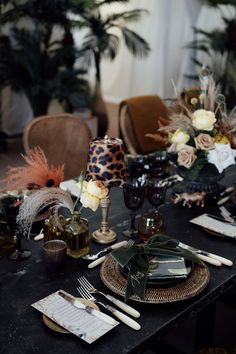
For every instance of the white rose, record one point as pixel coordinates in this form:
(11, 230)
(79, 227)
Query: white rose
(89, 201)
(180, 137)
(203, 120)
(222, 156)
(97, 188)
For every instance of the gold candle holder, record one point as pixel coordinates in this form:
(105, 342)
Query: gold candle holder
(104, 234)
(106, 164)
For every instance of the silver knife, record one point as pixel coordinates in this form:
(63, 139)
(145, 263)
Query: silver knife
(76, 303)
(211, 257)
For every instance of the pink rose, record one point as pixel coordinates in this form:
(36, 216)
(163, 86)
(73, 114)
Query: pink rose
(204, 142)
(186, 156)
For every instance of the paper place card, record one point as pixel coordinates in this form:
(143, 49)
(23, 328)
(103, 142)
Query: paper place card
(78, 321)
(220, 227)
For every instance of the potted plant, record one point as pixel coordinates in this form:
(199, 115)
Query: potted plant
(101, 42)
(220, 47)
(34, 61)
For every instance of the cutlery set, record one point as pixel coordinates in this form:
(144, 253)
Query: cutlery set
(96, 259)
(86, 289)
(208, 257)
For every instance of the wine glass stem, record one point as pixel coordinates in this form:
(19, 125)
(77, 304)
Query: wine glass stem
(132, 226)
(18, 243)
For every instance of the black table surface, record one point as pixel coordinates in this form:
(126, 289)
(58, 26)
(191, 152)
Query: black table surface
(22, 330)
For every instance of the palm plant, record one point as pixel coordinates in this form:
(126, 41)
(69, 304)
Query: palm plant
(32, 61)
(220, 47)
(101, 42)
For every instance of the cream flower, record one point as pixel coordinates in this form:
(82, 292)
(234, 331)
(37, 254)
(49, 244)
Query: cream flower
(204, 142)
(180, 147)
(97, 188)
(89, 201)
(203, 119)
(186, 156)
(222, 156)
(92, 192)
(180, 137)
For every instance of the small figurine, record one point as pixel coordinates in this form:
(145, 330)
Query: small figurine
(188, 199)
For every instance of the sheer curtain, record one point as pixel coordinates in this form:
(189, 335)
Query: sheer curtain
(167, 28)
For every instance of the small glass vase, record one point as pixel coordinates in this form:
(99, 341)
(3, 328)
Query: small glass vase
(77, 236)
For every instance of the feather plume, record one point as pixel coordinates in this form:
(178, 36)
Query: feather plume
(212, 93)
(39, 200)
(36, 173)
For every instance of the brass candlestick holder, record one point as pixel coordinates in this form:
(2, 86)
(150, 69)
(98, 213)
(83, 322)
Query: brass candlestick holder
(104, 234)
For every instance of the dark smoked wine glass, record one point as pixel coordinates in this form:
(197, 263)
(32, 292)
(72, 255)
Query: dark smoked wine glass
(155, 192)
(151, 222)
(134, 192)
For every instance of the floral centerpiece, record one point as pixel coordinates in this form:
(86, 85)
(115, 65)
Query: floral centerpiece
(202, 138)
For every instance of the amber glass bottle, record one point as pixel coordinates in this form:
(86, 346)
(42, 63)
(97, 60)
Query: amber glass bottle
(77, 236)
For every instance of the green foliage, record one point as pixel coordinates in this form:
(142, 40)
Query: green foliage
(100, 41)
(32, 61)
(220, 46)
(216, 3)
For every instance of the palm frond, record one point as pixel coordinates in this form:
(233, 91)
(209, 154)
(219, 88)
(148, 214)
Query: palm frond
(112, 47)
(127, 16)
(136, 44)
(108, 2)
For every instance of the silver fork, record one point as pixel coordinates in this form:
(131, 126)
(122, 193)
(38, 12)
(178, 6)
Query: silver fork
(98, 261)
(92, 290)
(121, 316)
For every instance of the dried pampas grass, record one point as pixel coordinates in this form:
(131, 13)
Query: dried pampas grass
(36, 173)
(51, 198)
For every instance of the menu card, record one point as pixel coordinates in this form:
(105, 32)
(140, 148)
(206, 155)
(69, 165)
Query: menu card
(220, 227)
(79, 321)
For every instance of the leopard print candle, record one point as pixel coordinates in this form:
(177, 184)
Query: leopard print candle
(106, 161)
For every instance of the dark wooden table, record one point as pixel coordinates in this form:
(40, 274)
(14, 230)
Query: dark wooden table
(22, 330)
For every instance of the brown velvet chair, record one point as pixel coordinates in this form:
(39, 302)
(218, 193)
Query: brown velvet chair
(63, 137)
(139, 116)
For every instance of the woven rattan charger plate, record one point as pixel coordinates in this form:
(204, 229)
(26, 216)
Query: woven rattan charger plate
(198, 279)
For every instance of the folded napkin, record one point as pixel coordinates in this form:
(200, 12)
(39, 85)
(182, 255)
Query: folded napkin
(137, 260)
